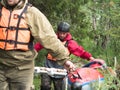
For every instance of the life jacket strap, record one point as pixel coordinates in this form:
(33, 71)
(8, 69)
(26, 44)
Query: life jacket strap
(16, 38)
(14, 28)
(1, 9)
(13, 42)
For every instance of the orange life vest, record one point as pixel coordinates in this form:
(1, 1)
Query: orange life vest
(50, 57)
(14, 31)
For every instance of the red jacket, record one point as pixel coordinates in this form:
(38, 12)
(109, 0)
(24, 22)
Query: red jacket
(73, 48)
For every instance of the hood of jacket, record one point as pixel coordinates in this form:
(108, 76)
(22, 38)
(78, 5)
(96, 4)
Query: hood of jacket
(20, 5)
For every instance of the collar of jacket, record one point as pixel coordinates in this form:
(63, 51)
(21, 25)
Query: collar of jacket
(68, 37)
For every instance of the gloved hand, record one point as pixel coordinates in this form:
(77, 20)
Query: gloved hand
(69, 66)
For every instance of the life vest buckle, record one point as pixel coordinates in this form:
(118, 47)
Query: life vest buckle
(11, 28)
(11, 41)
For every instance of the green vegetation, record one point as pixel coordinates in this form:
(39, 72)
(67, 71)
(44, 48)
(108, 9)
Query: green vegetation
(37, 82)
(95, 25)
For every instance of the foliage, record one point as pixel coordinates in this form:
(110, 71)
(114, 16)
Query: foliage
(37, 82)
(95, 24)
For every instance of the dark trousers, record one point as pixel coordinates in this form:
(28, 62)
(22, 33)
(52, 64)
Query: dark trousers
(46, 82)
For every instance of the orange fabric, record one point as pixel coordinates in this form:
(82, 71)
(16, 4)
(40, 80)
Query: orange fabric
(50, 57)
(23, 35)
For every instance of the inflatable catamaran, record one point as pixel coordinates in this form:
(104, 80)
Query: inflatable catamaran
(81, 79)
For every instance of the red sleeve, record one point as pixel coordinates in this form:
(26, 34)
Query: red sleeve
(78, 50)
(38, 47)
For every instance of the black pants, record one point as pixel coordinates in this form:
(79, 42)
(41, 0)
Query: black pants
(46, 82)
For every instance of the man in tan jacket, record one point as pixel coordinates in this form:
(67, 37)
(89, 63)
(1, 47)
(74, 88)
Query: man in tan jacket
(20, 24)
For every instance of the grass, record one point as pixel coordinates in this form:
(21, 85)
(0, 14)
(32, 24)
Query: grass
(37, 82)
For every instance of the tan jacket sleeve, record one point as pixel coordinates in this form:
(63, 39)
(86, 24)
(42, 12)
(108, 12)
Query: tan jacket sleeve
(43, 32)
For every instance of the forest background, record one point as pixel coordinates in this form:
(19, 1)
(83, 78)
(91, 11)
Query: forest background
(95, 24)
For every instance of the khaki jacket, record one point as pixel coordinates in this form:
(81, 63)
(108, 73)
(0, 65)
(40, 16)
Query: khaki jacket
(42, 32)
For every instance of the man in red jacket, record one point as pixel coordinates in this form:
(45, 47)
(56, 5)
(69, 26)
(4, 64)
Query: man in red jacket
(73, 48)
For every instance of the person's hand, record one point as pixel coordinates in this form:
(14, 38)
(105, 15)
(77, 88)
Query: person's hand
(102, 62)
(69, 66)
(97, 60)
